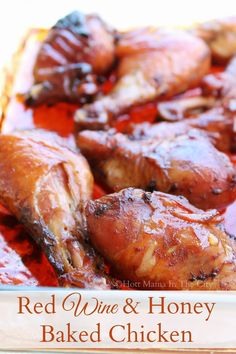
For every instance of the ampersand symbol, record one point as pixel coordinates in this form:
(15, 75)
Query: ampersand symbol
(130, 306)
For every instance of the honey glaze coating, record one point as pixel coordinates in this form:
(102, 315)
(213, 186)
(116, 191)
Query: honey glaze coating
(159, 241)
(45, 185)
(78, 50)
(152, 64)
(187, 165)
(12, 269)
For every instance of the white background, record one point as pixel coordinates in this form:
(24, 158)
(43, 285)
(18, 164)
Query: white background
(18, 15)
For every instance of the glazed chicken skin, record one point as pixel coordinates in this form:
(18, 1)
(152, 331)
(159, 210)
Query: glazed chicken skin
(220, 36)
(45, 185)
(187, 165)
(216, 124)
(76, 53)
(152, 64)
(160, 241)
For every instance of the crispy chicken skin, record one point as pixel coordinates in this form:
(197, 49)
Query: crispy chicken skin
(220, 36)
(76, 51)
(216, 124)
(45, 185)
(152, 64)
(161, 241)
(187, 165)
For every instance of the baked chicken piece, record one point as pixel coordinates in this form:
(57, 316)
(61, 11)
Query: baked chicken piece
(152, 64)
(78, 50)
(219, 89)
(216, 124)
(160, 241)
(187, 165)
(220, 36)
(45, 185)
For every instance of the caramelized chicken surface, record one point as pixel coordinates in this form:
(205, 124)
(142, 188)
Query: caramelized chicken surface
(152, 64)
(161, 241)
(45, 185)
(187, 165)
(220, 36)
(78, 50)
(216, 124)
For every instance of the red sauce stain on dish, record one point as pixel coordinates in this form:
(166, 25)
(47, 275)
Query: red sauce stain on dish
(22, 262)
(98, 191)
(12, 270)
(58, 118)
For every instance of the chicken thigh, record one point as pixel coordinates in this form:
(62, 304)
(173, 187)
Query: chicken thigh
(78, 50)
(159, 241)
(186, 165)
(152, 64)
